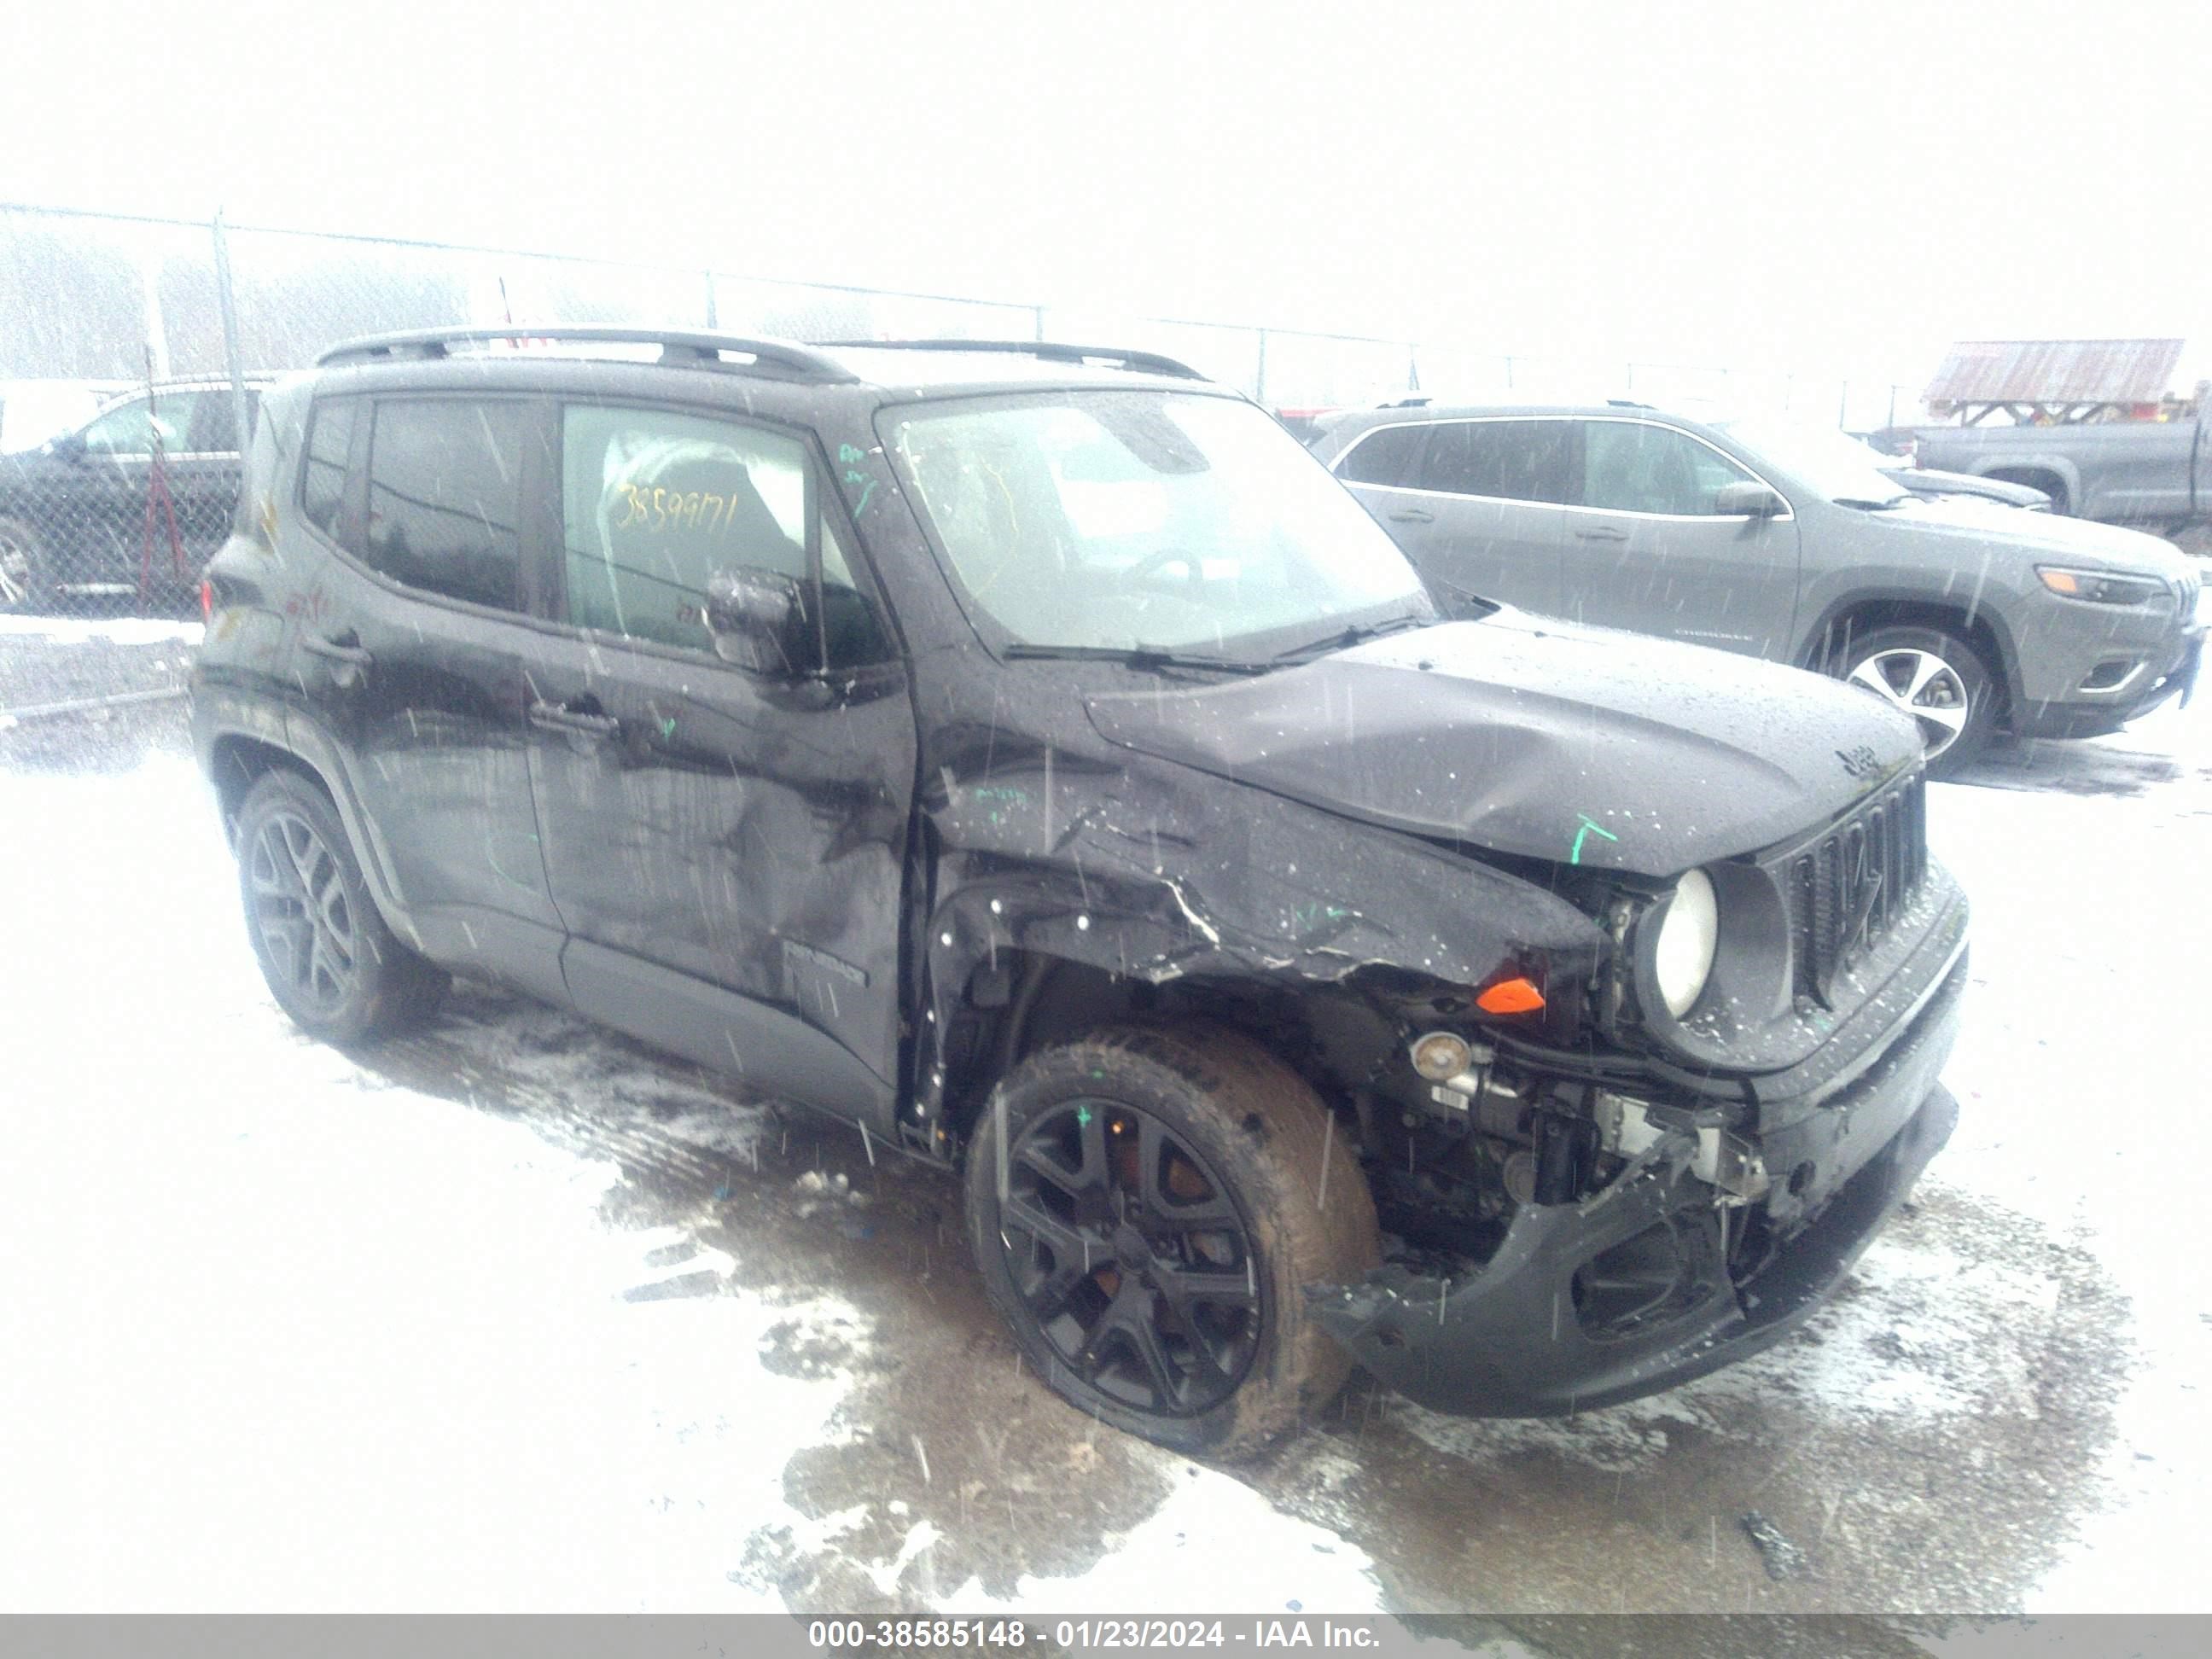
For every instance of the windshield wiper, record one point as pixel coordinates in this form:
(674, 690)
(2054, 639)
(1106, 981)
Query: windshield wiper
(1131, 656)
(1882, 506)
(1343, 639)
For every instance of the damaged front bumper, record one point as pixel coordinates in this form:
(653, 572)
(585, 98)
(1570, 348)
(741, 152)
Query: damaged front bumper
(1648, 1283)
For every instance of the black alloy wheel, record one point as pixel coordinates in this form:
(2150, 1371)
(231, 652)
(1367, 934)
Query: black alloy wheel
(1146, 1205)
(301, 913)
(329, 959)
(1131, 1257)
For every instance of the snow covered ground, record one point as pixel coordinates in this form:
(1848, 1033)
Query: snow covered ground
(514, 1315)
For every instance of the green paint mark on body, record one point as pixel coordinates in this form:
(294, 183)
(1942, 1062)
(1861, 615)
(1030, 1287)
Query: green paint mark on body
(1083, 1116)
(1575, 856)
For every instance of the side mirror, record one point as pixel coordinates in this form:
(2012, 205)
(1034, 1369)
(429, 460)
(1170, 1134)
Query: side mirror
(1755, 500)
(758, 619)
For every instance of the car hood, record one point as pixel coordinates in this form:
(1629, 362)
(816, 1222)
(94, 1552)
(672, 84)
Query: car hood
(1527, 736)
(1923, 481)
(2039, 534)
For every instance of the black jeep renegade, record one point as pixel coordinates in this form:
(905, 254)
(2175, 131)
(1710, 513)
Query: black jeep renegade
(1030, 754)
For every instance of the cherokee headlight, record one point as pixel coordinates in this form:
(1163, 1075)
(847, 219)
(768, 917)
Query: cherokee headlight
(2101, 586)
(1689, 933)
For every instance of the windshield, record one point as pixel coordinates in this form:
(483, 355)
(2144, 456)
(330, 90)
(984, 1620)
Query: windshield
(1834, 463)
(1116, 520)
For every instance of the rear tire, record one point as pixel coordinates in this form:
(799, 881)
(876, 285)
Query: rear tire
(1163, 1213)
(330, 961)
(1937, 679)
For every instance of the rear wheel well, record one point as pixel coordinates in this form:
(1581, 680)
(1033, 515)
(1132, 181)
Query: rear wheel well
(2035, 478)
(1856, 621)
(240, 763)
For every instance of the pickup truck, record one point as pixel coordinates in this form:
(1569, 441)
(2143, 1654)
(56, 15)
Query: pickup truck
(2154, 475)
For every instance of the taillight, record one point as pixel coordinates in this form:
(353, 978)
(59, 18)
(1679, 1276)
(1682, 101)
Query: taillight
(207, 600)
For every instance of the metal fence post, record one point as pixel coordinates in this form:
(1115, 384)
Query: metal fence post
(157, 333)
(1260, 375)
(227, 302)
(712, 321)
(1039, 311)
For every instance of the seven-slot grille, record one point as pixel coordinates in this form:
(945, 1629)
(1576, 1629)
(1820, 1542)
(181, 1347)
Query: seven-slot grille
(1846, 889)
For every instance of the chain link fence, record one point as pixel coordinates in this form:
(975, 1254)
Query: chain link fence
(182, 321)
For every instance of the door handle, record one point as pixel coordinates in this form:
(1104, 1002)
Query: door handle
(1602, 532)
(557, 718)
(1412, 515)
(337, 650)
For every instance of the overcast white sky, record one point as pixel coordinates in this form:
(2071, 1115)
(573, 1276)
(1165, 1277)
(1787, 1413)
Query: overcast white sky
(1836, 189)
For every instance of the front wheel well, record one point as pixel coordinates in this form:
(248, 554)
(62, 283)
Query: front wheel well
(1830, 645)
(2034, 477)
(1027, 1001)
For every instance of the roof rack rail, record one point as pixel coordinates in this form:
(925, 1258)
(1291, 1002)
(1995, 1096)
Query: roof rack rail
(1144, 363)
(677, 349)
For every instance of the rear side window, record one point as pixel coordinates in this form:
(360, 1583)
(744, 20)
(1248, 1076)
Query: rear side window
(1385, 456)
(445, 498)
(654, 504)
(330, 441)
(1509, 460)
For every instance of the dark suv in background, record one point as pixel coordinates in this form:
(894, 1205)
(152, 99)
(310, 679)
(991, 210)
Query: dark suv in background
(73, 511)
(1785, 544)
(1028, 754)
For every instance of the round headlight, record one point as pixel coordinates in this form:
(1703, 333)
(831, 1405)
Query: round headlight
(1688, 933)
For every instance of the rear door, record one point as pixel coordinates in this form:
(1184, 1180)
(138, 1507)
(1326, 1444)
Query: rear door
(726, 847)
(410, 648)
(1476, 505)
(1646, 549)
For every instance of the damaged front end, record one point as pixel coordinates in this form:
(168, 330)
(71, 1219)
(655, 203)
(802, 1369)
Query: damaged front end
(1581, 1228)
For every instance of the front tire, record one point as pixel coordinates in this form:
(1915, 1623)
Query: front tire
(1146, 1205)
(25, 575)
(329, 959)
(1937, 679)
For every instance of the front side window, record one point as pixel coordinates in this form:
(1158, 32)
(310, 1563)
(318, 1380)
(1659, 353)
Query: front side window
(1509, 460)
(445, 498)
(1116, 519)
(656, 504)
(214, 430)
(1633, 466)
(129, 429)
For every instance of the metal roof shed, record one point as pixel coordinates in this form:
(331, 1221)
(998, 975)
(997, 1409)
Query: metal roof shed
(2052, 381)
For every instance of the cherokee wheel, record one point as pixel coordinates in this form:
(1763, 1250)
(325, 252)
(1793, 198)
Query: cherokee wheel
(1936, 679)
(328, 958)
(1145, 1206)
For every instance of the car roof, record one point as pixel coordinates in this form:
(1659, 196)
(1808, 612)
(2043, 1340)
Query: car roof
(893, 367)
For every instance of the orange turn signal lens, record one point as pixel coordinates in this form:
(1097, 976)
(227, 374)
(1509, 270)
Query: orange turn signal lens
(1511, 996)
